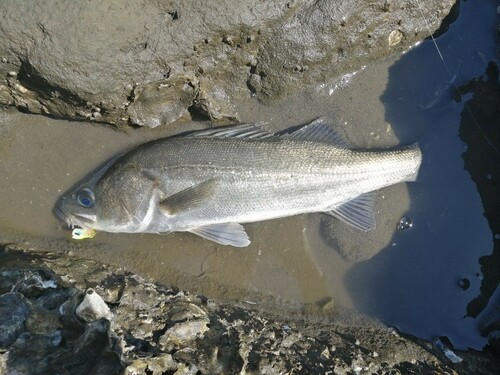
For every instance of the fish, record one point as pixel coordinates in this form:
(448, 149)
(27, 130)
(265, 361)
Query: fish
(210, 182)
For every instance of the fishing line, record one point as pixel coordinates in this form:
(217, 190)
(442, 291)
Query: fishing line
(474, 120)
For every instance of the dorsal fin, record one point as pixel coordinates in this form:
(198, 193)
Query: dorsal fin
(248, 131)
(319, 131)
(316, 131)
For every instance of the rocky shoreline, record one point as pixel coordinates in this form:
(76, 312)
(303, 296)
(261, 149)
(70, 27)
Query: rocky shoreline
(76, 316)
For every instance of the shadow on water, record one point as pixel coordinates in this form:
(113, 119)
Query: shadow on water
(479, 128)
(424, 282)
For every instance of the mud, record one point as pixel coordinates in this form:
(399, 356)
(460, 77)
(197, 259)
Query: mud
(127, 63)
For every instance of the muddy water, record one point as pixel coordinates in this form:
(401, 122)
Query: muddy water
(425, 280)
(408, 279)
(288, 259)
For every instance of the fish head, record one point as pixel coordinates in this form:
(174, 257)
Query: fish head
(118, 197)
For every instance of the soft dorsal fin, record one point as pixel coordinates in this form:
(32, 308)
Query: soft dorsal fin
(189, 198)
(357, 212)
(249, 131)
(319, 131)
(225, 233)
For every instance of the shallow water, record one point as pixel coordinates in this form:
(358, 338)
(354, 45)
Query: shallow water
(408, 279)
(419, 274)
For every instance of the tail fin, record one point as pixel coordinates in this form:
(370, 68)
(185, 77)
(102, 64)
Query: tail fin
(414, 155)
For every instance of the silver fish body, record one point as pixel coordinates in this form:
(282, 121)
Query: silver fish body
(211, 181)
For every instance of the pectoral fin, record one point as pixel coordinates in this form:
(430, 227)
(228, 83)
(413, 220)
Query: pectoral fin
(189, 198)
(357, 212)
(226, 234)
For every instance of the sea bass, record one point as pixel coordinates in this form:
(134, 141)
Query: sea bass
(211, 181)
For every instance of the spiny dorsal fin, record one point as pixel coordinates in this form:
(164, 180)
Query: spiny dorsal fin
(316, 131)
(319, 131)
(357, 212)
(225, 233)
(248, 131)
(189, 198)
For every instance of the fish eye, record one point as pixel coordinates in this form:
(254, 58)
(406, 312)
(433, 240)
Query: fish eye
(85, 198)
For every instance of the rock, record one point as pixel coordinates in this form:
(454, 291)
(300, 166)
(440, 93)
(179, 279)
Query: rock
(163, 364)
(41, 321)
(30, 354)
(111, 289)
(216, 104)
(186, 311)
(142, 310)
(96, 351)
(222, 339)
(5, 95)
(14, 311)
(35, 283)
(127, 63)
(93, 307)
(182, 335)
(162, 102)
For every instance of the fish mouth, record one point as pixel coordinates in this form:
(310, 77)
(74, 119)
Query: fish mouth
(75, 220)
(61, 215)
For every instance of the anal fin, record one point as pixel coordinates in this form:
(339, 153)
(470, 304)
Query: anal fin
(225, 233)
(357, 212)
